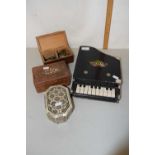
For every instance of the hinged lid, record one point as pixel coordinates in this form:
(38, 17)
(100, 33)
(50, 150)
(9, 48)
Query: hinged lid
(51, 72)
(52, 42)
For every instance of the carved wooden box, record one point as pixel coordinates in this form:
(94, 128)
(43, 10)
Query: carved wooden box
(51, 74)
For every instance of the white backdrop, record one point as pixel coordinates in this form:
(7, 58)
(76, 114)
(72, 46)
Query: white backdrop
(83, 20)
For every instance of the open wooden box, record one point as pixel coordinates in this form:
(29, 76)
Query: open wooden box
(54, 47)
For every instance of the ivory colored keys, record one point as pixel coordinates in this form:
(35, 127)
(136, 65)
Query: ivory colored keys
(78, 88)
(89, 90)
(93, 91)
(82, 89)
(86, 89)
(96, 91)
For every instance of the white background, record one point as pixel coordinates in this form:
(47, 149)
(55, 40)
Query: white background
(83, 20)
(12, 110)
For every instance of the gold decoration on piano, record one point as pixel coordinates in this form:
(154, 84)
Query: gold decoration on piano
(98, 63)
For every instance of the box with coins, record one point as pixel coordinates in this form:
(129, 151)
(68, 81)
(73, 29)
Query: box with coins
(54, 47)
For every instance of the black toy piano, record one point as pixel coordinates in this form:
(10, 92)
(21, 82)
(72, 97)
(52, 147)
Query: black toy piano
(96, 75)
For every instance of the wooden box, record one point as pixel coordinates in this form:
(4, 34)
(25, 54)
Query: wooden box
(54, 47)
(51, 74)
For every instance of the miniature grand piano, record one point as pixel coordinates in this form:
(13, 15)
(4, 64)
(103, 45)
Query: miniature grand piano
(96, 75)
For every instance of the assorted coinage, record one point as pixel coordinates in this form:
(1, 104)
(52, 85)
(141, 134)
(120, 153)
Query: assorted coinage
(58, 103)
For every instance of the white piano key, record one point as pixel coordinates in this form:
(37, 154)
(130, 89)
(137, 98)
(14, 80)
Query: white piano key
(101, 93)
(109, 92)
(97, 91)
(86, 89)
(81, 89)
(93, 90)
(89, 90)
(105, 92)
(78, 88)
(113, 93)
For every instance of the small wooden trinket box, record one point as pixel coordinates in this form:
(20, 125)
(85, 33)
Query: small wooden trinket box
(51, 74)
(54, 47)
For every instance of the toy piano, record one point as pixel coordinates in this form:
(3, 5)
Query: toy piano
(96, 75)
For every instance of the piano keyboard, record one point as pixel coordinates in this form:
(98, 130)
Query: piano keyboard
(95, 91)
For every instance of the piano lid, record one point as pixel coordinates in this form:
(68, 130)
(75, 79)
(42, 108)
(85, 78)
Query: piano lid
(93, 65)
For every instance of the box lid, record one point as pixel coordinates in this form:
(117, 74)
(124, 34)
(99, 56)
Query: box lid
(51, 72)
(51, 42)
